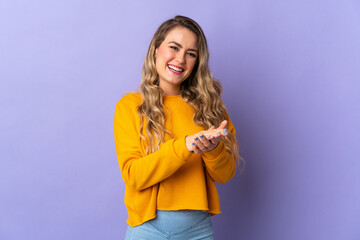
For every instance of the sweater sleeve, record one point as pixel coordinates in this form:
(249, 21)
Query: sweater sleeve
(140, 172)
(219, 163)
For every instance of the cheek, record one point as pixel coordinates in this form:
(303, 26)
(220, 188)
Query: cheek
(164, 54)
(191, 64)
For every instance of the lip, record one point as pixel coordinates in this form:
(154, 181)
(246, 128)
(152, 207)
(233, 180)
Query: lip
(176, 66)
(176, 73)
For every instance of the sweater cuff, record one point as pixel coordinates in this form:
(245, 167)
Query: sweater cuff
(181, 150)
(213, 154)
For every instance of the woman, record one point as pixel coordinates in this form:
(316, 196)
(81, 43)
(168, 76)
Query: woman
(169, 151)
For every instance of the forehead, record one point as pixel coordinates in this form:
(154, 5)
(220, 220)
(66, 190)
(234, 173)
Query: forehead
(183, 36)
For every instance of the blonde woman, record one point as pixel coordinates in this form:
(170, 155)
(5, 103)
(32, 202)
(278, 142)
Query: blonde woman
(174, 138)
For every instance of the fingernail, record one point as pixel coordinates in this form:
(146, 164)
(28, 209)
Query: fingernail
(196, 139)
(218, 133)
(209, 136)
(213, 138)
(225, 132)
(193, 144)
(224, 129)
(201, 136)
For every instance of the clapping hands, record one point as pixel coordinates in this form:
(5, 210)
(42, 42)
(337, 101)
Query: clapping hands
(205, 141)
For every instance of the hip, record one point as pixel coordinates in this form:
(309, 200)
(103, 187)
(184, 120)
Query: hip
(182, 224)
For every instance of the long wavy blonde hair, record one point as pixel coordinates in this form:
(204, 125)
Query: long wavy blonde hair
(201, 90)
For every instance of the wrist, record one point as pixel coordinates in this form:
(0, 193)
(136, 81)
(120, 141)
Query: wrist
(215, 152)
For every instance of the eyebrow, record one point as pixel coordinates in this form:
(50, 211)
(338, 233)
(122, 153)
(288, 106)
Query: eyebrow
(179, 45)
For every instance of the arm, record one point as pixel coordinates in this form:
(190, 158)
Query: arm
(138, 171)
(219, 163)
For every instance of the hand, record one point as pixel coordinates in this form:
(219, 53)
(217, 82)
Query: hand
(205, 141)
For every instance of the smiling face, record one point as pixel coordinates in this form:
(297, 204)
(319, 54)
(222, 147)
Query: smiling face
(175, 59)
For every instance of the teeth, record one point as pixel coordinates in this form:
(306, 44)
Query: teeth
(175, 68)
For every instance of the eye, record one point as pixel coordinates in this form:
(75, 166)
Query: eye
(173, 47)
(192, 55)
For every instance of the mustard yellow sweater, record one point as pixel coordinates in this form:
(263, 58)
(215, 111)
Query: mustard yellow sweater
(171, 178)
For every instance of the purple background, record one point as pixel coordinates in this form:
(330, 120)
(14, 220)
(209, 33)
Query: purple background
(290, 72)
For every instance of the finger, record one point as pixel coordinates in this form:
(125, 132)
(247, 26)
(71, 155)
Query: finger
(204, 141)
(199, 143)
(212, 127)
(224, 132)
(222, 128)
(193, 146)
(209, 133)
(213, 133)
(221, 133)
(223, 125)
(214, 139)
(197, 150)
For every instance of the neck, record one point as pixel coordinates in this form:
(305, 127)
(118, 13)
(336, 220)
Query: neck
(170, 90)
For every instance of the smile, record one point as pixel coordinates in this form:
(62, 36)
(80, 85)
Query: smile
(175, 69)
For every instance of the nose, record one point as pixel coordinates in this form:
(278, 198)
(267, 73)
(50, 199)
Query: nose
(180, 57)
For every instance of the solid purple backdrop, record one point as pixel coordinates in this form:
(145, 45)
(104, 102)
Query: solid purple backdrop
(290, 72)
